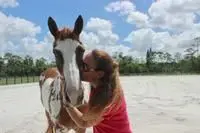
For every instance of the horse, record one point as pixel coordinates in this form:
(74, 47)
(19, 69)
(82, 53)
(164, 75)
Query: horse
(64, 82)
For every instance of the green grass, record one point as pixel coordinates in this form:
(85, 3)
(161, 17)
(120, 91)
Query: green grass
(18, 80)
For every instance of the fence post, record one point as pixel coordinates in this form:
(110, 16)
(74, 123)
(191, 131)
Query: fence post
(14, 79)
(6, 79)
(27, 78)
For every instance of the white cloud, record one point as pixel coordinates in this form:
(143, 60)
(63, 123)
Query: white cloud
(95, 24)
(178, 15)
(8, 3)
(177, 19)
(124, 7)
(127, 8)
(117, 48)
(99, 32)
(93, 40)
(96, 36)
(89, 39)
(185, 39)
(17, 27)
(19, 36)
(138, 18)
(99, 35)
(38, 49)
(143, 39)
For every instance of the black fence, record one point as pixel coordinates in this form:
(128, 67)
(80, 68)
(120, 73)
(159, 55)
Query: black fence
(18, 80)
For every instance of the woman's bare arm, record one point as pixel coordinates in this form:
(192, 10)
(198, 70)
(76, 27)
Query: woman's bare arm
(84, 120)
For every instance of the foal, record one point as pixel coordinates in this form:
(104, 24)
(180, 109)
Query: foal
(63, 83)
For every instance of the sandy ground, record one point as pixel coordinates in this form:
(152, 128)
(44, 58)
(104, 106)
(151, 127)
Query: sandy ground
(156, 104)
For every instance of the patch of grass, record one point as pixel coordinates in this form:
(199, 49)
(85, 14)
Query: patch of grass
(18, 80)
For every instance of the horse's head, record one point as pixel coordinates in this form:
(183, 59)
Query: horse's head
(68, 51)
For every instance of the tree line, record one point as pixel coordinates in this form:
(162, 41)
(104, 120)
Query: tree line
(14, 65)
(156, 62)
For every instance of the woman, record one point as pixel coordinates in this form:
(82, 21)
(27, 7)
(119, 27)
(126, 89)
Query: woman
(106, 110)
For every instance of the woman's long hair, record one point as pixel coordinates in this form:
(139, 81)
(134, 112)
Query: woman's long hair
(109, 83)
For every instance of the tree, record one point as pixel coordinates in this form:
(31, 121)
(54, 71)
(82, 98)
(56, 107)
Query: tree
(28, 65)
(40, 65)
(177, 57)
(197, 43)
(150, 57)
(2, 66)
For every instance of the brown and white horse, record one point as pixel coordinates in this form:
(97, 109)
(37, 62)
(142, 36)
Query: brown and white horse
(63, 83)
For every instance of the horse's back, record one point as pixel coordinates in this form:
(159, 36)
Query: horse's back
(48, 73)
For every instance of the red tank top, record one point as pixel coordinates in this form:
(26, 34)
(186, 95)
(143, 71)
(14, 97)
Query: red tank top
(115, 121)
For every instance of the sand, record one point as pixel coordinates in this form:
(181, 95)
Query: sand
(156, 104)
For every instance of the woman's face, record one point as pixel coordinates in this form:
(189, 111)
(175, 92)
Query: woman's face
(90, 74)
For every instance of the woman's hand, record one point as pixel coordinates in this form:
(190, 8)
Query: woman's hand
(83, 119)
(67, 105)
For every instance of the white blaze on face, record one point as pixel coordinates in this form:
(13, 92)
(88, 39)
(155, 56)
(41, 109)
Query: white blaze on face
(71, 71)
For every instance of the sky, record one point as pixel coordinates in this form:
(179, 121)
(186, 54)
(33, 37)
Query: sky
(128, 26)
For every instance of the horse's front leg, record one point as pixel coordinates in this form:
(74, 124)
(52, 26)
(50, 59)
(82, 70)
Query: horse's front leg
(50, 128)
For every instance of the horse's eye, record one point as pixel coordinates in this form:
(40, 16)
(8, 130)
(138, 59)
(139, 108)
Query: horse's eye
(85, 66)
(55, 51)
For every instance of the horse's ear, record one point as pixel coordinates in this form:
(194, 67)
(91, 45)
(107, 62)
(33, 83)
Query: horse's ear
(52, 26)
(78, 25)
